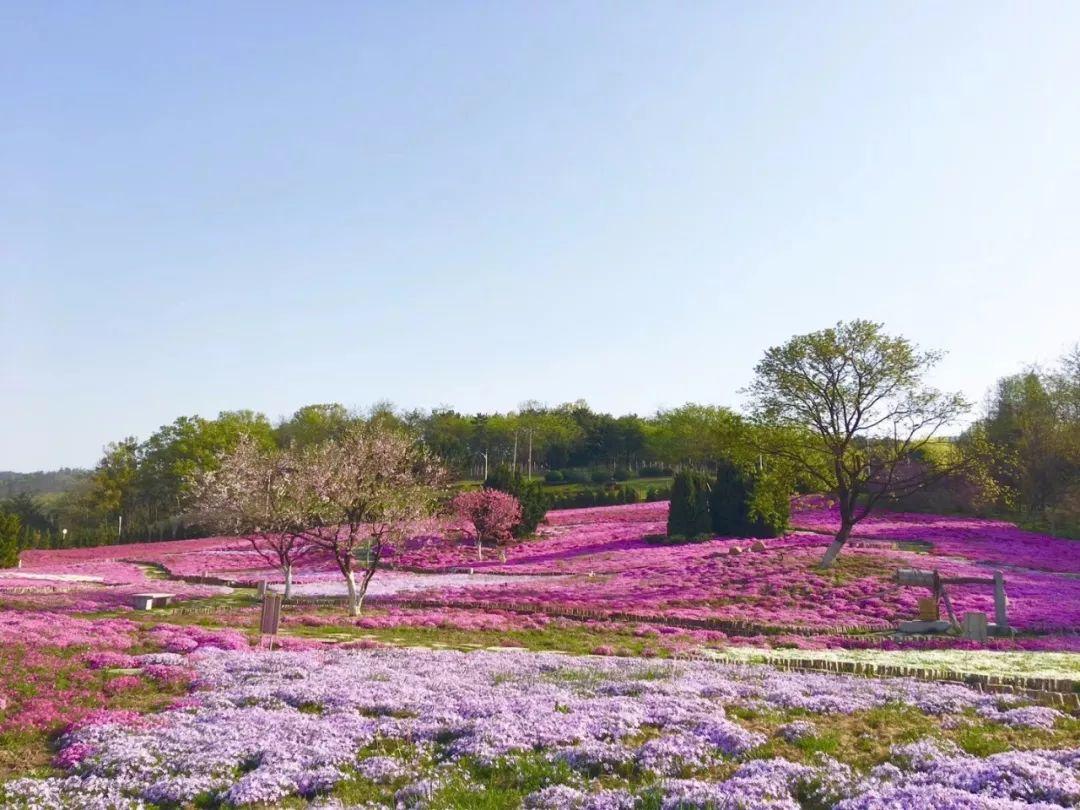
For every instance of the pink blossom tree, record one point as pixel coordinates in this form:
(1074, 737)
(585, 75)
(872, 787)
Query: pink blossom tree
(493, 515)
(364, 495)
(254, 493)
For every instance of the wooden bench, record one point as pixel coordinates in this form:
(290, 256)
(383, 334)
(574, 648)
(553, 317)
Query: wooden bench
(149, 601)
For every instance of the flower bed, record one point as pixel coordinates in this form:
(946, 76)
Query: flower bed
(780, 587)
(608, 569)
(428, 725)
(975, 539)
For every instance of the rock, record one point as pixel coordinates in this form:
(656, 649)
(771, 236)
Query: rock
(975, 626)
(735, 550)
(758, 546)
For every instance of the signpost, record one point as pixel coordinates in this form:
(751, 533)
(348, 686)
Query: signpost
(270, 618)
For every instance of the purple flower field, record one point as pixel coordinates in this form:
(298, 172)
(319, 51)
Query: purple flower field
(411, 728)
(129, 710)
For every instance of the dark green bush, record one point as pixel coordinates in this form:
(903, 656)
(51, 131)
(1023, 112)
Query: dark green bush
(575, 476)
(596, 496)
(747, 503)
(688, 516)
(553, 477)
(622, 474)
(9, 540)
(600, 476)
(654, 471)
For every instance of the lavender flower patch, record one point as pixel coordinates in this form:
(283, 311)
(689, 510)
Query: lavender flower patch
(1023, 717)
(797, 730)
(944, 777)
(272, 726)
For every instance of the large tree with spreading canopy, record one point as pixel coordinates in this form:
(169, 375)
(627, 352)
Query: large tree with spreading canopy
(849, 408)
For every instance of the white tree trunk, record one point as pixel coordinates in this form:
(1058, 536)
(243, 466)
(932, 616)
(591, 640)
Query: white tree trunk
(288, 581)
(354, 603)
(835, 546)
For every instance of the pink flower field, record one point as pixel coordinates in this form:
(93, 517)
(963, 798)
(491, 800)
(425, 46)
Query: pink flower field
(615, 570)
(607, 567)
(992, 541)
(139, 709)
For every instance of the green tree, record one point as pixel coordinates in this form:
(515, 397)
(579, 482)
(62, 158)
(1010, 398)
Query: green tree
(747, 502)
(857, 397)
(9, 540)
(314, 424)
(1024, 423)
(688, 515)
(697, 435)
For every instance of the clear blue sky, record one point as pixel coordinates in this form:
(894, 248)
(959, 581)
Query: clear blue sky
(209, 206)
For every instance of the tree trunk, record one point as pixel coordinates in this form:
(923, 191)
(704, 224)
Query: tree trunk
(288, 581)
(479, 549)
(362, 590)
(354, 603)
(835, 546)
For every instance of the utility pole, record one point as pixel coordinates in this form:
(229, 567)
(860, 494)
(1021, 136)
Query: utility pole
(119, 527)
(530, 453)
(514, 466)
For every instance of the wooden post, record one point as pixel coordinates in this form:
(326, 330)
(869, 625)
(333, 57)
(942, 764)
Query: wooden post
(928, 609)
(260, 589)
(949, 609)
(1001, 617)
(271, 616)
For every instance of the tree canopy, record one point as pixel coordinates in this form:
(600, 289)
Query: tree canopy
(849, 408)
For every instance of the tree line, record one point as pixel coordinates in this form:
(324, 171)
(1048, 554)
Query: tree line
(842, 411)
(139, 489)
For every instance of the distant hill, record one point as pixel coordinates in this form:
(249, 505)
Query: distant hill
(40, 483)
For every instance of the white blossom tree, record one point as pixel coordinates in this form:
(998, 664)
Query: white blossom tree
(254, 493)
(364, 495)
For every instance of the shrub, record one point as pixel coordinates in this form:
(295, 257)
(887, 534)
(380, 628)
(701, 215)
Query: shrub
(622, 474)
(530, 494)
(600, 476)
(689, 513)
(9, 540)
(575, 476)
(553, 477)
(747, 504)
(595, 496)
(654, 471)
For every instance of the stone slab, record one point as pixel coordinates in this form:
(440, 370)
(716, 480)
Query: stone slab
(924, 627)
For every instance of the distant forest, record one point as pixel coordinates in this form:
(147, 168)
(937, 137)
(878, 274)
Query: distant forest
(1022, 457)
(40, 483)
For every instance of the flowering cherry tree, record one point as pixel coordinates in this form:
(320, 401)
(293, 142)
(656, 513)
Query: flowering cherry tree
(363, 496)
(492, 513)
(254, 492)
